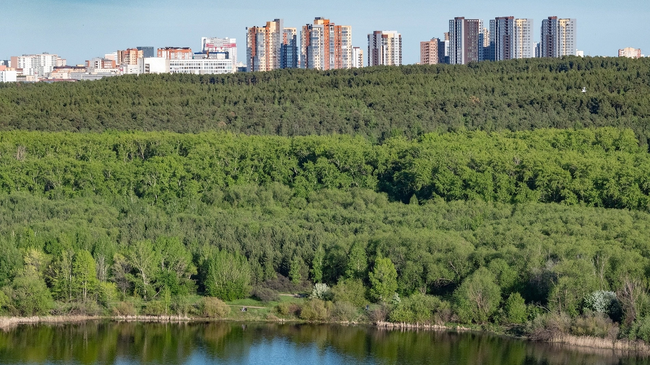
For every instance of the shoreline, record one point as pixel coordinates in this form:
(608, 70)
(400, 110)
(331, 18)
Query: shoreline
(585, 342)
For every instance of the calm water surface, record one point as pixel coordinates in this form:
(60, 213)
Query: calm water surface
(236, 343)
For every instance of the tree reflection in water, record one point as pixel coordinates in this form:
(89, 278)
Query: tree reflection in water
(260, 343)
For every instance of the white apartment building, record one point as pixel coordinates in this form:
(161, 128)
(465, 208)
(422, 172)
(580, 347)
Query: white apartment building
(154, 65)
(357, 57)
(523, 40)
(37, 65)
(8, 76)
(226, 46)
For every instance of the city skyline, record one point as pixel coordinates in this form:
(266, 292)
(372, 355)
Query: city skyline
(81, 29)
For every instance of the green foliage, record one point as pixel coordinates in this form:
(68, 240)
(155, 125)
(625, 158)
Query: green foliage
(345, 312)
(155, 308)
(227, 276)
(478, 297)
(295, 269)
(350, 291)
(177, 171)
(573, 282)
(594, 325)
(124, 309)
(317, 265)
(84, 273)
(266, 295)
(213, 308)
(515, 309)
(418, 308)
(383, 279)
(357, 262)
(315, 310)
(376, 102)
(30, 296)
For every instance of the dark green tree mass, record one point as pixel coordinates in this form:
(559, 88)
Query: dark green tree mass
(376, 102)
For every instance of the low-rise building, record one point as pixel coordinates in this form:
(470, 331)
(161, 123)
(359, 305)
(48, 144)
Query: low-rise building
(154, 65)
(8, 74)
(203, 66)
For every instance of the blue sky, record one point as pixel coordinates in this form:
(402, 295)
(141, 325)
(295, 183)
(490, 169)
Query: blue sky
(80, 29)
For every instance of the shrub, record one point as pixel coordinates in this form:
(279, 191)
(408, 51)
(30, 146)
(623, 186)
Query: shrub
(640, 329)
(266, 295)
(604, 302)
(477, 297)
(31, 296)
(106, 292)
(155, 308)
(594, 324)
(282, 284)
(181, 305)
(344, 311)
(124, 309)
(548, 326)
(287, 309)
(321, 291)
(214, 308)
(227, 276)
(351, 291)
(314, 310)
(378, 314)
(418, 308)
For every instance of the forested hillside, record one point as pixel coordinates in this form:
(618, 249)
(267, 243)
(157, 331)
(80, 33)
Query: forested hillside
(594, 167)
(508, 227)
(489, 193)
(376, 102)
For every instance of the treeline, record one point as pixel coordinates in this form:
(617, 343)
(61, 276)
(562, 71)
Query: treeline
(377, 102)
(594, 167)
(467, 262)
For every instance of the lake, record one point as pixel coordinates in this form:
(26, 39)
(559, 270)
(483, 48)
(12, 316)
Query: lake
(101, 342)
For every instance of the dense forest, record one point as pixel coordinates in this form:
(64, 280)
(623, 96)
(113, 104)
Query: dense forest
(376, 102)
(544, 229)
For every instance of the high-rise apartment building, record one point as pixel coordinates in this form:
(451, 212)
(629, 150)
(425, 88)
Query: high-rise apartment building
(226, 47)
(36, 65)
(325, 45)
(559, 37)
(466, 39)
(384, 48)
(502, 34)
(523, 41)
(630, 52)
(510, 38)
(264, 46)
(147, 52)
(289, 48)
(129, 56)
(357, 57)
(175, 53)
(430, 52)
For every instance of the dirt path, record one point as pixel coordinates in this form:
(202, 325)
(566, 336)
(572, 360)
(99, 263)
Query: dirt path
(246, 306)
